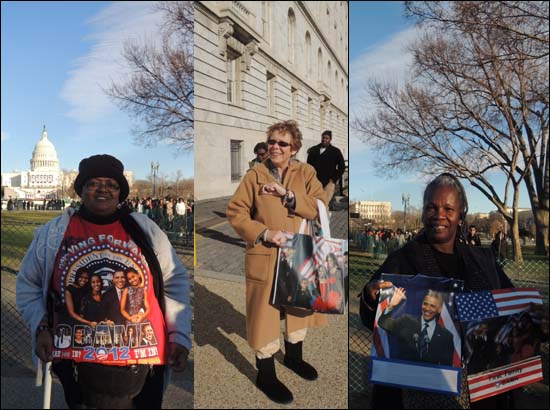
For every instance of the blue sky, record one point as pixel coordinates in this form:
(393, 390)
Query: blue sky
(56, 57)
(378, 33)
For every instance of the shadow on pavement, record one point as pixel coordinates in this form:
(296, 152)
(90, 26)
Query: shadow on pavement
(217, 314)
(219, 236)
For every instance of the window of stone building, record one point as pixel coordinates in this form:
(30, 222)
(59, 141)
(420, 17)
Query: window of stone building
(336, 85)
(270, 84)
(291, 36)
(329, 69)
(233, 68)
(236, 160)
(319, 65)
(266, 19)
(309, 111)
(294, 95)
(308, 54)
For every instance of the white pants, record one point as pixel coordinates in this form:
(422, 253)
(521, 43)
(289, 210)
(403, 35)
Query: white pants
(329, 191)
(273, 347)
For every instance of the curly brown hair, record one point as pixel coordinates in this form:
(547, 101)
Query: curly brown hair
(291, 127)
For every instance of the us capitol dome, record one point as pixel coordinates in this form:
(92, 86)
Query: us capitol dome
(44, 156)
(43, 181)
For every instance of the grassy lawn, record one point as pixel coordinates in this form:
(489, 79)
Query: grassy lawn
(17, 231)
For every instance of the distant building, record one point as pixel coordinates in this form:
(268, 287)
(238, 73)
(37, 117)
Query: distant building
(373, 210)
(257, 63)
(45, 179)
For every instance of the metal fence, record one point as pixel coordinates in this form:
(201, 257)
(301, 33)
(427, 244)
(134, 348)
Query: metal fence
(362, 266)
(16, 236)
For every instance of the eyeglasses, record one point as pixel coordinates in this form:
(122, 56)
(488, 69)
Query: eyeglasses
(95, 185)
(281, 144)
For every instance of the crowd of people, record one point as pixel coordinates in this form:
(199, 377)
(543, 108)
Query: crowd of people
(169, 213)
(30, 205)
(381, 241)
(384, 241)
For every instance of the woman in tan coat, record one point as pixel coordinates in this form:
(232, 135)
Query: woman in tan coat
(270, 203)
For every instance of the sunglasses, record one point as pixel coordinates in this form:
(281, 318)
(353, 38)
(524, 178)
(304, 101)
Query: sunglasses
(281, 144)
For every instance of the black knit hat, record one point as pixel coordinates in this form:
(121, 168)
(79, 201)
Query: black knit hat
(327, 132)
(105, 166)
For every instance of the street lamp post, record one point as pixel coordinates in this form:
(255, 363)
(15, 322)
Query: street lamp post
(154, 170)
(405, 198)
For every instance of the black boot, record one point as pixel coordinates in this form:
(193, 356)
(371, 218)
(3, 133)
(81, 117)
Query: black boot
(293, 360)
(268, 383)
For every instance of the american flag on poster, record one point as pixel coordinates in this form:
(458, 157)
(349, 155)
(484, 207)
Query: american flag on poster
(322, 247)
(446, 322)
(491, 383)
(500, 302)
(307, 268)
(380, 337)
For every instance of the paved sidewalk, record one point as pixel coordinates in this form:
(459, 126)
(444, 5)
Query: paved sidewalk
(226, 371)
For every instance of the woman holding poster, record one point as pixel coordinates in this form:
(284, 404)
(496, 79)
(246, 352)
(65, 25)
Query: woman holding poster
(270, 202)
(439, 250)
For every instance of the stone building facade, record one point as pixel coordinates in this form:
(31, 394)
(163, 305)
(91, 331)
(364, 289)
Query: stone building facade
(257, 63)
(377, 211)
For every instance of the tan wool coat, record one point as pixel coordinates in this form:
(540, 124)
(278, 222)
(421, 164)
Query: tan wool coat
(250, 214)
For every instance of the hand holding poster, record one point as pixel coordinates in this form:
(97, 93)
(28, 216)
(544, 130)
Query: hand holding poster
(416, 342)
(502, 335)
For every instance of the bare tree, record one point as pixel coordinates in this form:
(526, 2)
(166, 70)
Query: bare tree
(141, 188)
(159, 93)
(477, 104)
(177, 178)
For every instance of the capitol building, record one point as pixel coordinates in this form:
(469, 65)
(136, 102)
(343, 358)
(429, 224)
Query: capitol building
(45, 179)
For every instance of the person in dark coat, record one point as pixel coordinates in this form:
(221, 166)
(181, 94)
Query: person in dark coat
(328, 162)
(499, 246)
(421, 339)
(113, 297)
(473, 237)
(288, 280)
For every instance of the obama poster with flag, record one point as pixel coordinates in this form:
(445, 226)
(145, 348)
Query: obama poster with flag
(416, 339)
(310, 274)
(503, 332)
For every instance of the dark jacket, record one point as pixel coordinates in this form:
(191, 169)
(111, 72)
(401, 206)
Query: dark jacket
(112, 305)
(476, 239)
(328, 165)
(287, 282)
(407, 329)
